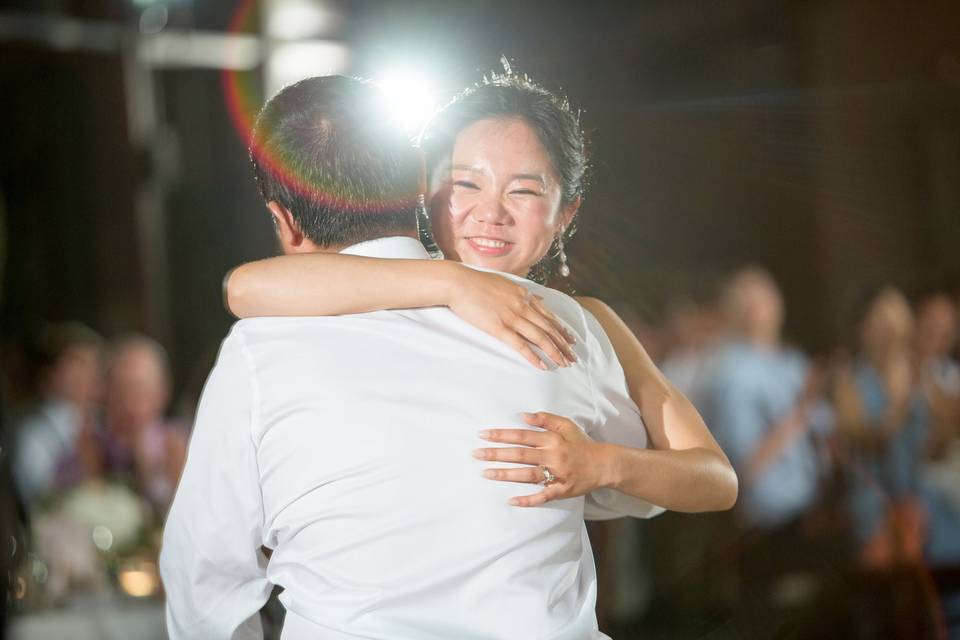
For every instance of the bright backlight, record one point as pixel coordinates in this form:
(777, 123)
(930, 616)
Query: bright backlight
(410, 97)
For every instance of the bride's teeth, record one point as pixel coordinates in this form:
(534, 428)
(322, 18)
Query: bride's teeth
(495, 244)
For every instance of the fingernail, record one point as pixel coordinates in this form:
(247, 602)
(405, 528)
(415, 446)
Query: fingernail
(543, 365)
(479, 453)
(483, 434)
(514, 502)
(490, 473)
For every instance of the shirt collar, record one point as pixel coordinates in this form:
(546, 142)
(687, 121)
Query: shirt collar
(391, 247)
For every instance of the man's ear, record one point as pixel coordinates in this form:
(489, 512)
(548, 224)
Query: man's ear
(292, 240)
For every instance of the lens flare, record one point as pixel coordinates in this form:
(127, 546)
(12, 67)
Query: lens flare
(411, 98)
(243, 93)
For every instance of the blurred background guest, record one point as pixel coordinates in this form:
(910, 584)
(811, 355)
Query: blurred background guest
(765, 407)
(55, 441)
(97, 463)
(882, 421)
(693, 328)
(140, 443)
(939, 378)
(938, 370)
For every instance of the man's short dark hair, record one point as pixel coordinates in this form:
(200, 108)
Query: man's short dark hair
(326, 150)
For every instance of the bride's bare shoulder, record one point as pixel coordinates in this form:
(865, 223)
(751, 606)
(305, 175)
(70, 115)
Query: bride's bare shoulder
(600, 310)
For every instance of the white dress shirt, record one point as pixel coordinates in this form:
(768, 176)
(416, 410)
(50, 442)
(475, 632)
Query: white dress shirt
(344, 444)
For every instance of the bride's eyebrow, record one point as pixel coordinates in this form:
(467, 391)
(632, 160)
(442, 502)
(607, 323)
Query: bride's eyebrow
(529, 176)
(517, 176)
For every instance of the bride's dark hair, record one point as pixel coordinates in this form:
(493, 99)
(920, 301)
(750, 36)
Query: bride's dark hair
(509, 95)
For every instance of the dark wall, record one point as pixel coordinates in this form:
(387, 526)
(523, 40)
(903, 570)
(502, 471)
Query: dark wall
(66, 173)
(215, 218)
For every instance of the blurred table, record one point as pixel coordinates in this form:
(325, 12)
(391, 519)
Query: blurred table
(104, 617)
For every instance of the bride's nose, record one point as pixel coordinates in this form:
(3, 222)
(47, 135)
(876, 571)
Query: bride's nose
(491, 211)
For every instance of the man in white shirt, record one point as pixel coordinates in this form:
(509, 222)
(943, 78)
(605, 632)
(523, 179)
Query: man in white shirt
(343, 444)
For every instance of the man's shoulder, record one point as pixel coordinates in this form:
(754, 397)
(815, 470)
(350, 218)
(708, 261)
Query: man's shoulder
(281, 336)
(248, 327)
(250, 336)
(250, 330)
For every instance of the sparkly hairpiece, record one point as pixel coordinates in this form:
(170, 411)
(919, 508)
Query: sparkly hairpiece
(523, 81)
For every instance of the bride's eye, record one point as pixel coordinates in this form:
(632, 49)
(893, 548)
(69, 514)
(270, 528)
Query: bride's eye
(525, 192)
(465, 184)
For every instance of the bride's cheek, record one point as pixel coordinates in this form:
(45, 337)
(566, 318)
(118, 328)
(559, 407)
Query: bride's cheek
(538, 212)
(458, 207)
(527, 207)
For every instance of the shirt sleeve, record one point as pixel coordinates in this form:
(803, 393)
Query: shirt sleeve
(211, 562)
(618, 421)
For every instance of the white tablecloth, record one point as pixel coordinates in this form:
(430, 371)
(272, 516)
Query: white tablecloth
(105, 617)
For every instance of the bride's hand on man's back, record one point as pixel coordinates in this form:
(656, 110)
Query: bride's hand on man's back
(510, 313)
(563, 458)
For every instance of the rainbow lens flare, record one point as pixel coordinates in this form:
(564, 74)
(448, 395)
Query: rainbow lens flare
(243, 93)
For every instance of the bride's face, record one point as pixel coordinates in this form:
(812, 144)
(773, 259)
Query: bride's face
(500, 205)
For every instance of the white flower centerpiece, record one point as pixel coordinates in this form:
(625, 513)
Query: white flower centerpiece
(86, 539)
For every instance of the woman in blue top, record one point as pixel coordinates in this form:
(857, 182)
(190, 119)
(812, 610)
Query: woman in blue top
(882, 421)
